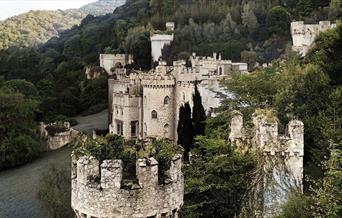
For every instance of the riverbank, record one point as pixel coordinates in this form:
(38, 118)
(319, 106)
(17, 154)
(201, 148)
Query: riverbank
(19, 186)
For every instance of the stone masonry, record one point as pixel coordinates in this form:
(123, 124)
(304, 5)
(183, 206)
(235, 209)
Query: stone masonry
(282, 157)
(59, 139)
(97, 189)
(146, 105)
(303, 35)
(160, 39)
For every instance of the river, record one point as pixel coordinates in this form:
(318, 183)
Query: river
(19, 186)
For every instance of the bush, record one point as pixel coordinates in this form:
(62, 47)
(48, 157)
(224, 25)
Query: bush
(63, 118)
(54, 129)
(55, 191)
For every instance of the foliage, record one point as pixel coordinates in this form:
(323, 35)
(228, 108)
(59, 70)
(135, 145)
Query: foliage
(94, 92)
(55, 191)
(56, 128)
(57, 67)
(217, 180)
(115, 147)
(19, 140)
(185, 130)
(198, 113)
(297, 205)
(325, 199)
(308, 90)
(278, 20)
(36, 27)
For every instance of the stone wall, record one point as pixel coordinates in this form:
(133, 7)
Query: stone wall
(282, 157)
(92, 72)
(109, 61)
(97, 190)
(303, 35)
(59, 139)
(158, 42)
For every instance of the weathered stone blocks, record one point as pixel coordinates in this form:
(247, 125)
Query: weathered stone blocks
(106, 197)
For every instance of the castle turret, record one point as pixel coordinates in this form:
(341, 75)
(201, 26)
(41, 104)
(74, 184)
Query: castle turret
(282, 157)
(158, 104)
(106, 195)
(303, 35)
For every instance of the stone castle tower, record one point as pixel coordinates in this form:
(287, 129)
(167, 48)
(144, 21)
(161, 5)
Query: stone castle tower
(98, 189)
(303, 35)
(160, 39)
(282, 160)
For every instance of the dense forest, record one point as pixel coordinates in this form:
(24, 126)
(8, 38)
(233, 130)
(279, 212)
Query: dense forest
(36, 27)
(308, 89)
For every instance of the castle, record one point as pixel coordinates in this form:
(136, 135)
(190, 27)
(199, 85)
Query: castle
(282, 160)
(98, 189)
(303, 35)
(145, 105)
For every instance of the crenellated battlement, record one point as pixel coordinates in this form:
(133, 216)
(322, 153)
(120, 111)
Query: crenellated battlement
(303, 35)
(97, 189)
(281, 156)
(110, 61)
(264, 135)
(158, 80)
(125, 100)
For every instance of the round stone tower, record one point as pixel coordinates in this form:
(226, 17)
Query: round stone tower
(158, 104)
(98, 190)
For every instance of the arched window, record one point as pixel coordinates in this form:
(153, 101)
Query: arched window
(167, 100)
(220, 70)
(154, 115)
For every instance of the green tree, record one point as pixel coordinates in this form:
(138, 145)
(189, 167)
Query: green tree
(305, 7)
(19, 141)
(278, 20)
(22, 86)
(55, 191)
(198, 113)
(217, 180)
(185, 130)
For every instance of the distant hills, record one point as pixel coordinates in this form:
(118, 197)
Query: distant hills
(36, 27)
(101, 7)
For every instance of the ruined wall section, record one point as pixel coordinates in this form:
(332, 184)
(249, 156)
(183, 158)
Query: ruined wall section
(97, 189)
(282, 157)
(58, 139)
(303, 35)
(109, 61)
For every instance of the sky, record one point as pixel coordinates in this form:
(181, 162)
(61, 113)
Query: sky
(9, 8)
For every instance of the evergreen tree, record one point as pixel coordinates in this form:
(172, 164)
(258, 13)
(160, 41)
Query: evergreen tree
(185, 130)
(198, 113)
(305, 7)
(180, 125)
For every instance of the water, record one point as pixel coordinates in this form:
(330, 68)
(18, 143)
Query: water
(19, 186)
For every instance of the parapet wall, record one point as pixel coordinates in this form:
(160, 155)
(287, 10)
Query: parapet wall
(303, 35)
(58, 139)
(97, 189)
(281, 161)
(265, 136)
(108, 61)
